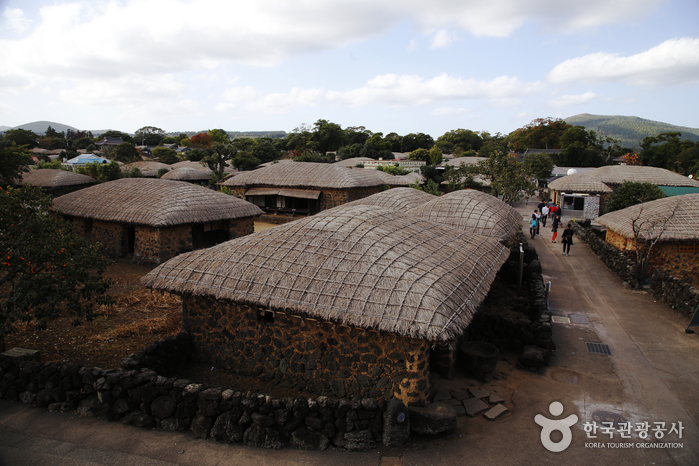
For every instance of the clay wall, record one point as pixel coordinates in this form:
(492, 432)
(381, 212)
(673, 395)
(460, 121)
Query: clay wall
(306, 354)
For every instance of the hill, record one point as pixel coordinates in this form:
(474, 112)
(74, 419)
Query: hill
(629, 129)
(39, 127)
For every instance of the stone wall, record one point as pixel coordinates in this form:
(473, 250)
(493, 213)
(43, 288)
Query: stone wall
(306, 354)
(156, 245)
(113, 236)
(240, 227)
(138, 396)
(678, 259)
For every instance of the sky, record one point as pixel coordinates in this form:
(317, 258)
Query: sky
(391, 66)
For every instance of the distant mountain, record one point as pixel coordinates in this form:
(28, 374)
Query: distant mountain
(5, 128)
(629, 129)
(39, 127)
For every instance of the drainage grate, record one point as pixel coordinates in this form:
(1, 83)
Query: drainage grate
(560, 320)
(598, 348)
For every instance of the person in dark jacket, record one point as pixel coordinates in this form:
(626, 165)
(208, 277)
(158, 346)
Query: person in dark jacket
(554, 227)
(567, 239)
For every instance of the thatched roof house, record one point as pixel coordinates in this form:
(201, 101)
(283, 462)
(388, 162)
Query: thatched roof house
(473, 211)
(156, 219)
(392, 181)
(353, 162)
(579, 184)
(149, 169)
(672, 221)
(397, 199)
(57, 182)
(617, 174)
(310, 290)
(303, 187)
(190, 175)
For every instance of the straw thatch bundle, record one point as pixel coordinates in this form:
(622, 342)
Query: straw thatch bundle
(396, 199)
(362, 266)
(579, 183)
(306, 174)
(156, 203)
(617, 174)
(473, 211)
(52, 178)
(678, 215)
(187, 174)
(149, 169)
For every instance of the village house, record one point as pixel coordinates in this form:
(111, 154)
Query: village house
(304, 188)
(199, 176)
(672, 221)
(149, 169)
(399, 200)
(156, 219)
(348, 302)
(57, 182)
(580, 192)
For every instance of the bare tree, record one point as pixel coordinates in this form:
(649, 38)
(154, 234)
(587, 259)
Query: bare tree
(646, 234)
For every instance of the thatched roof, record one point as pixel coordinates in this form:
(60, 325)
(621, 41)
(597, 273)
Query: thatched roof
(306, 174)
(187, 174)
(387, 178)
(363, 266)
(617, 174)
(353, 162)
(456, 162)
(396, 199)
(473, 211)
(147, 168)
(579, 184)
(153, 202)
(52, 178)
(190, 164)
(415, 177)
(678, 215)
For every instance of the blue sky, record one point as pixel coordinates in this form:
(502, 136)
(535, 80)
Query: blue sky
(391, 66)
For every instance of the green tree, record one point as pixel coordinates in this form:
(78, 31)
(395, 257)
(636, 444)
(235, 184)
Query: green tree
(356, 135)
(52, 142)
(412, 141)
(431, 187)
(419, 154)
(81, 143)
(663, 150)
(218, 135)
(459, 139)
(328, 136)
(149, 136)
(195, 155)
(46, 269)
(315, 157)
(394, 170)
(13, 162)
(22, 137)
(125, 137)
(349, 151)
(631, 193)
(170, 140)
(126, 153)
(245, 161)
(102, 172)
(165, 155)
(507, 175)
(264, 150)
(218, 159)
(580, 148)
(542, 133)
(539, 166)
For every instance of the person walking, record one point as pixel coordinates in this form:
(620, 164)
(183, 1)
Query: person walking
(532, 226)
(554, 227)
(544, 215)
(567, 239)
(538, 220)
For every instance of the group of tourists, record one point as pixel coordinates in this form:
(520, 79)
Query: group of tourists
(541, 213)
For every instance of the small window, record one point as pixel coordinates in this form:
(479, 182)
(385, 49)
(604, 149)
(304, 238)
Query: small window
(266, 316)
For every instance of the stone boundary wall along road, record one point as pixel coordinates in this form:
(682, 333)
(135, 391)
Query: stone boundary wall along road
(138, 396)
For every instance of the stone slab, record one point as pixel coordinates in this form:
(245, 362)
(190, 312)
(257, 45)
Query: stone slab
(495, 412)
(22, 352)
(479, 393)
(460, 395)
(459, 410)
(441, 395)
(474, 406)
(494, 399)
(452, 402)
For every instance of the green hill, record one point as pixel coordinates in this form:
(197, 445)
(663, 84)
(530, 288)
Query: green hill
(629, 129)
(39, 127)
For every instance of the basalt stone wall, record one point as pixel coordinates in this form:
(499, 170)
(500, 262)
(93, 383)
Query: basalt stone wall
(113, 236)
(678, 259)
(669, 289)
(138, 396)
(306, 354)
(330, 198)
(156, 245)
(240, 227)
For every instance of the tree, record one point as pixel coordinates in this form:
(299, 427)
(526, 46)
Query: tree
(542, 133)
(431, 187)
(411, 142)
(356, 135)
(52, 133)
(328, 136)
(314, 157)
(349, 152)
(631, 158)
(125, 137)
(13, 162)
(507, 175)
(195, 155)
(102, 172)
(647, 231)
(22, 137)
(580, 148)
(419, 154)
(631, 193)
(663, 150)
(202, 140)
(218, 135)
(81, 143)
(245, 161)
(165, 155)
(46, 269)
(394, 170)
(52, 142)
(126, 153)
(264, 150)
(459, 139)
(539, 166)
(149, 136)
(218, 158)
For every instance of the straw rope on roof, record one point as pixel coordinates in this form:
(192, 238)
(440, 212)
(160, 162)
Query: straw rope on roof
(190, 164)
(396, 199)
(353, 162)
(678, 215)
(579, 184)
(617, 174)
(52, 178)
(187, 174)
(456, 162)
(414, 177)
(387, 178)
(147, 168)
(306, 174)
(473, 211)
(363, 266)
(153, 202)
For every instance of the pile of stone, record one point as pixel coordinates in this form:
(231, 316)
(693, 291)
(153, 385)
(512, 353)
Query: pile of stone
(472, 402)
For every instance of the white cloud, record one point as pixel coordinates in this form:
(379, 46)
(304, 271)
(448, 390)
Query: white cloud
(386, 90)
(442, 38)
(124, 91)
(570, 100)
(14, 19)
(448, 111)
(675, 61)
